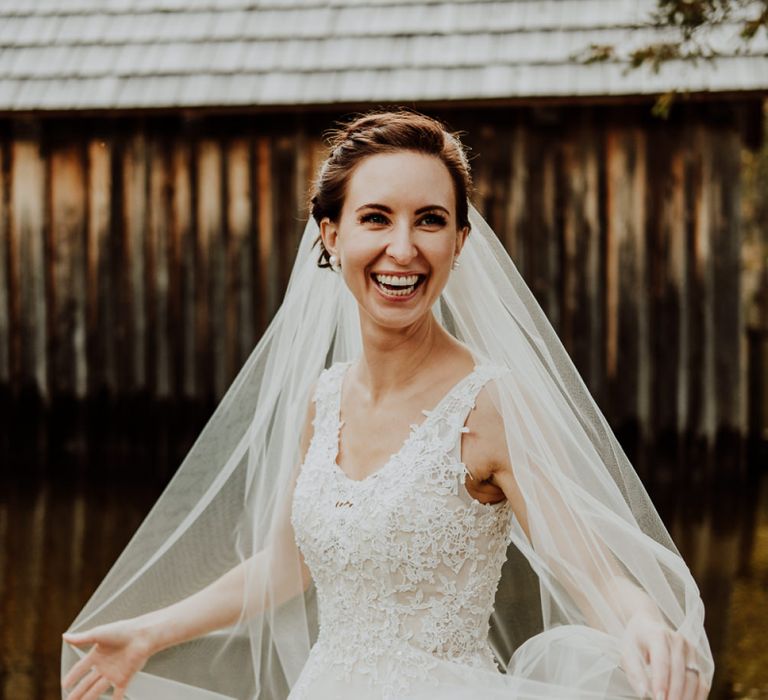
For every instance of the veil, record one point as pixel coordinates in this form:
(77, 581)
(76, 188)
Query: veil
(555, 623)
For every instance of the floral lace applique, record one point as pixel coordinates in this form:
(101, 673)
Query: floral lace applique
(405, 562)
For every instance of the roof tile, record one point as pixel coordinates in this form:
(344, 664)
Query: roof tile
(124, 53)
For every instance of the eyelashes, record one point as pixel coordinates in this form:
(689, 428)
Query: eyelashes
(377, 218)
(366, 218)
(439, 220)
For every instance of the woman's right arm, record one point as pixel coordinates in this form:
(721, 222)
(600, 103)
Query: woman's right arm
(120, 649)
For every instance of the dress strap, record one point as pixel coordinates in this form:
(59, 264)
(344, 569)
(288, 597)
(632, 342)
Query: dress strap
(457, 405)
(326, 397)
(454, 412)
(328, 386)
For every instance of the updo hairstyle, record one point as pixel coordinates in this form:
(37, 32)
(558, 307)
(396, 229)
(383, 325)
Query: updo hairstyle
(385, 132)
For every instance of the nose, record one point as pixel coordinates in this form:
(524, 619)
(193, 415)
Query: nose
(401, 247)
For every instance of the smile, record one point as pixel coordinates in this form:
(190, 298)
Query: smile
(397, 285)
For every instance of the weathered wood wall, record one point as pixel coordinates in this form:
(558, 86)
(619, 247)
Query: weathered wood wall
(146, 255)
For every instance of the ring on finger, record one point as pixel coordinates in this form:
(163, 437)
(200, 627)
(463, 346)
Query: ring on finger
(694, 669)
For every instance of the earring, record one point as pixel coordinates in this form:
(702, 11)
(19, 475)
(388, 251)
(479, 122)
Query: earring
(334, 263)
(455, 265)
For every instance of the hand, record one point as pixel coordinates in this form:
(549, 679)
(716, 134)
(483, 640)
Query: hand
(118, 651)
(658, 661)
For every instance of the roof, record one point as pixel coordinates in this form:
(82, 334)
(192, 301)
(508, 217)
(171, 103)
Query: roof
(103, 54)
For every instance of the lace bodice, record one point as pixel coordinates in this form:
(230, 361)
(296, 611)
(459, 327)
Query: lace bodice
(404, 561)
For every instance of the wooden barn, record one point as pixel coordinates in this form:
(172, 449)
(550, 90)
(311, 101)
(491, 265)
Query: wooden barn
(156, 156)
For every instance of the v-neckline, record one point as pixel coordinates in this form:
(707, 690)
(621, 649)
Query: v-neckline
(414, 430)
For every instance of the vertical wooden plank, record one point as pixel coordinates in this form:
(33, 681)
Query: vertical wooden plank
(627, 319)
(240, 329)
(101, 289)
(501, 165)
(582, 304)
(491, 173)
(729, 339)
(283, 175)
(551, 242)
(668, 286)
(517, 208)
(482, 176)
(28, 259)
(302, 158)
(67, 295)
(158, 267)
(542, 239)
(183, 273)
(118, 268)
(678, 275)
(5, 287)
(267, 298)
(135, 217)
(318, 153)
(211, 273)
(701, 403)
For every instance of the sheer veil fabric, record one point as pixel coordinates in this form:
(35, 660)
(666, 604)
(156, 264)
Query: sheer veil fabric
(555, 628)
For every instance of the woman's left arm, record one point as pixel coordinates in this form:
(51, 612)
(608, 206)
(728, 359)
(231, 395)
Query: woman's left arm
(655, 656)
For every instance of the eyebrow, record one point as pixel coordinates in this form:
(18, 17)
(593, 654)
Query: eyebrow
(388, 210)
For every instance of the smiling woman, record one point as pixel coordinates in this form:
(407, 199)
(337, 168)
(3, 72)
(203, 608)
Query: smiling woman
(405, 427)
(400, 249)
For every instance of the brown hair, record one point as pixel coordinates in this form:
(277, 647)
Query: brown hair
(386, 132)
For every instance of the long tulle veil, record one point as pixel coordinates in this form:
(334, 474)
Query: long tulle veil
(590, 518)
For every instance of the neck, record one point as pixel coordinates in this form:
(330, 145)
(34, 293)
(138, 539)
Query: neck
(392, 358)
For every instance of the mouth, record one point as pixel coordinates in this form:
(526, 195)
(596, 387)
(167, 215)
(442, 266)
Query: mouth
(397, 286)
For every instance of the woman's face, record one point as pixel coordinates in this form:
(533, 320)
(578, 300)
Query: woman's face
(397, 235)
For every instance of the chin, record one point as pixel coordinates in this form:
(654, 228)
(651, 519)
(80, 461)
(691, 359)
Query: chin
(397, 318)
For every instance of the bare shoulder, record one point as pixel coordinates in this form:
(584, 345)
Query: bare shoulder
(486, 453)
(485, 446)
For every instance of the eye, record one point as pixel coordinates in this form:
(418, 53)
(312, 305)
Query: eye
(374, 218)
(434, 220)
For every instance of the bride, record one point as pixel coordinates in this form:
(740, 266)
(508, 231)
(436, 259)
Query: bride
(407, 492)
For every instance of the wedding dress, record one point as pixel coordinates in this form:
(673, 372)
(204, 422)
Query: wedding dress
(407, 566)
(405, 561)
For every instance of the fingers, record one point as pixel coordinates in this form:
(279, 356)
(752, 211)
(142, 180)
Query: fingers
(702, 689)
(691, 687)
(77, 670)
(677, 673)
(672, 662)
(97, 689)
(85, 684)
(79, 639)
(634, 667)
(702, 692)
(660, 666)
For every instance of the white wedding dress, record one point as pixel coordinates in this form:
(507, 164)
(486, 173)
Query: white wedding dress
(405, 562)
(407, 566)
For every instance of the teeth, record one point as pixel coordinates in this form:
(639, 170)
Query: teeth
(398, 292)
(408, 281)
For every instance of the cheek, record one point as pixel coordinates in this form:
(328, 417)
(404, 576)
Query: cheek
(440, 253)
(362, 249)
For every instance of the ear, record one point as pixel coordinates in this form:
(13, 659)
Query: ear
(461, 238)
(329, 234)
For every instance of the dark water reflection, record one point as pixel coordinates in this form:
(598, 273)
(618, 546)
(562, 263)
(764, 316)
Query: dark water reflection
(76, 482)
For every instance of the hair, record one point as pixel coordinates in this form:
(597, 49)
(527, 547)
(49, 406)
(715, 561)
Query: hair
(386, 132)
